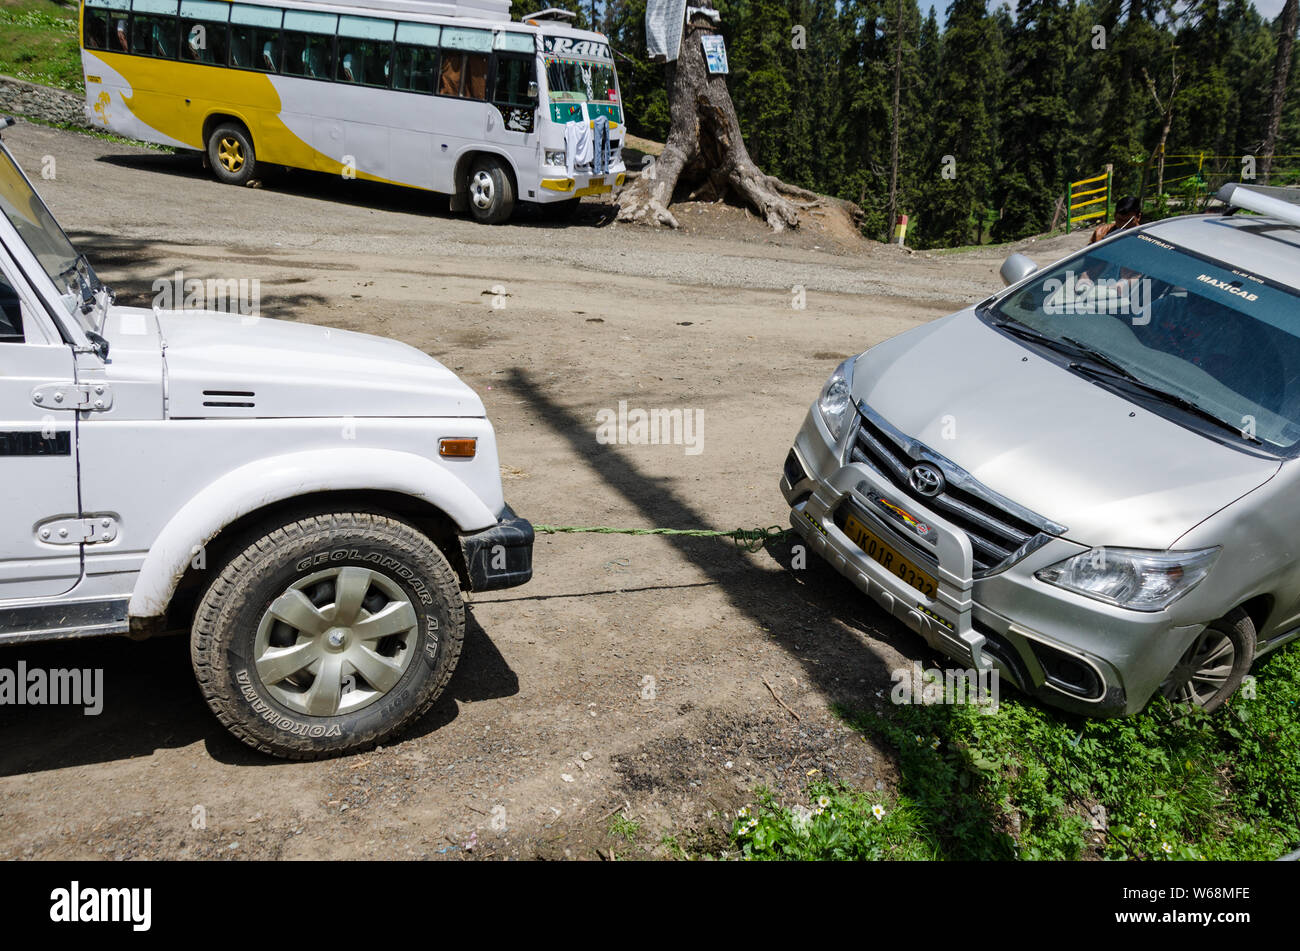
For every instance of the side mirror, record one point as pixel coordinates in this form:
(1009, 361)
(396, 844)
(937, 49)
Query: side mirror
(1016, 268)
(532, 90)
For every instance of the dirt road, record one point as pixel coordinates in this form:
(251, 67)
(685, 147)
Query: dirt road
(632, 674)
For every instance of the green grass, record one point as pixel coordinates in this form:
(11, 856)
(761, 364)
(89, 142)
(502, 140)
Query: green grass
(620, 826)
(1030, 783)
(38, 43)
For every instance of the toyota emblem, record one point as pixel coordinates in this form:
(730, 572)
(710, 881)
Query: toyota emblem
(926, 480)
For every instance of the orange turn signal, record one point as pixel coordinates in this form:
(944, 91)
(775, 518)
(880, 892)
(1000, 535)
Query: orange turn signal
(457, 448)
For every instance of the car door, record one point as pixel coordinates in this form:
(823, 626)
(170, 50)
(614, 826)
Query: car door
(40, 555)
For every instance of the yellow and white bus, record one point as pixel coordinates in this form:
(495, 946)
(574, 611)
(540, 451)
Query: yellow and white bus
(452, 97)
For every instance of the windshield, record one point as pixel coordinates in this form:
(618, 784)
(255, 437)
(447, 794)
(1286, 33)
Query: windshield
(577, 80)
(1220, 338)
(24, 209)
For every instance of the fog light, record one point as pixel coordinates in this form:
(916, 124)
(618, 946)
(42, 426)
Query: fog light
(457, 448)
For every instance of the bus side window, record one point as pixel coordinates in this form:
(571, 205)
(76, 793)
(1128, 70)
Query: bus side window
(255, 37)
(416, 67)
(154, 28)
(476, 71)
(203, 31)
(309, 44)
(365, 51)
(464, 75)
(94, 33)
(513, 77)
(415, 57)
(465, 57)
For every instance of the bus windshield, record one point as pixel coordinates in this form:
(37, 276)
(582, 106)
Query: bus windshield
(576, 80)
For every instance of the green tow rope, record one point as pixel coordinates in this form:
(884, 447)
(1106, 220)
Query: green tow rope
(750, 539)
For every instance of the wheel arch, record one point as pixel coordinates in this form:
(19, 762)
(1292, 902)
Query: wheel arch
(214, 119)
(464, 162)
(257, 496)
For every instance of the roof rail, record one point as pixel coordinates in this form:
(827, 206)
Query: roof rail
(550, 13)
(1280, 203)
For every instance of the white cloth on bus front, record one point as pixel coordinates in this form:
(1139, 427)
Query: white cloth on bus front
(577, 146)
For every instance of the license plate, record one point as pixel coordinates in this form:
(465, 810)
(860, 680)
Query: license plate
(888, 556)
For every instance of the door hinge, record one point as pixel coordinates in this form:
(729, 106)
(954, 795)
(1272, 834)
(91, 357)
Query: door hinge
(91, 397)
(88, 530)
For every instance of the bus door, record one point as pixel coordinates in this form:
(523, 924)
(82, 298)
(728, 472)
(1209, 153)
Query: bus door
(512, 120)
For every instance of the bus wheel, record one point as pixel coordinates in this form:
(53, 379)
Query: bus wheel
(491, 192)
(230, 154)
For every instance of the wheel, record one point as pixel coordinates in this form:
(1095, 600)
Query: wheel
(491, 191)
(1213, 667)
(328, 635)
(230, 154)
(561, 210)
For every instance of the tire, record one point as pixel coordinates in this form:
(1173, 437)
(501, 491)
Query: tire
(308, 689)
(561, 210)
(490, 191)
(1212, 668)
(230, 154)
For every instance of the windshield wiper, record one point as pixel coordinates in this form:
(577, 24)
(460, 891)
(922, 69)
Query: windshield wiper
(1125, 378)
(1066, 345)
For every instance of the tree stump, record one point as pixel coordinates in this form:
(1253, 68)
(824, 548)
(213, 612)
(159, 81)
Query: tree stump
(705, 155)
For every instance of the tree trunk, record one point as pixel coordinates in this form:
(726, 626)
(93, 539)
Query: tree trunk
(893, 137)
(705, 152)
(1281, 70)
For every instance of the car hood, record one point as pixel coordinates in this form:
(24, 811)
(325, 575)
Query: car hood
(1111, 471)
(230, 366)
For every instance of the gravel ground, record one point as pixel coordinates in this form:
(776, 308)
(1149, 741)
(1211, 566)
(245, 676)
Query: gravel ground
(547, 730)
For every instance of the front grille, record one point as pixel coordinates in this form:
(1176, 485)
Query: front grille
(999, 530)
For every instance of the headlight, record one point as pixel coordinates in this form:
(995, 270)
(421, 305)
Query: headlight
(836, 402)
(554, 158)
(1132, 578)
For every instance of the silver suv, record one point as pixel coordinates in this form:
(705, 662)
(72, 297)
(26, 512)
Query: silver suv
(1090, 480)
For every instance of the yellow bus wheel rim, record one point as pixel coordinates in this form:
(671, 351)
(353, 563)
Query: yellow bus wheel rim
(231, 154)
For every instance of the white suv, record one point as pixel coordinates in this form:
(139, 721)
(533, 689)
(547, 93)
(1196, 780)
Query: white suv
(308, 503)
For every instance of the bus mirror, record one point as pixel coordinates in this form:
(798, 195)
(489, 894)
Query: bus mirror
(532, 90)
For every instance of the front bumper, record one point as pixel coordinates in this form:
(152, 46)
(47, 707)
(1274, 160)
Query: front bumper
(500, 556)
(1070, 651)
(580, 185)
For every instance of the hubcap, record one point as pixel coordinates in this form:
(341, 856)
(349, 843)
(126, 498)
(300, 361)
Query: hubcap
(1203, 670)
(482, 189)
(230, 153)
(335, 641)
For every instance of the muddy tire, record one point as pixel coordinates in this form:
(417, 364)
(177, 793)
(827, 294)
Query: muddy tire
(491, 191)
(230, 154)
(328, 635)
(1213, 667)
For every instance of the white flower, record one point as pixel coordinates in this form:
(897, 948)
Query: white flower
(935, 745)
(1166, 847)
(878, 811)
(742, 812)
(823, 801)
(800, 817)
(1151, 823)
